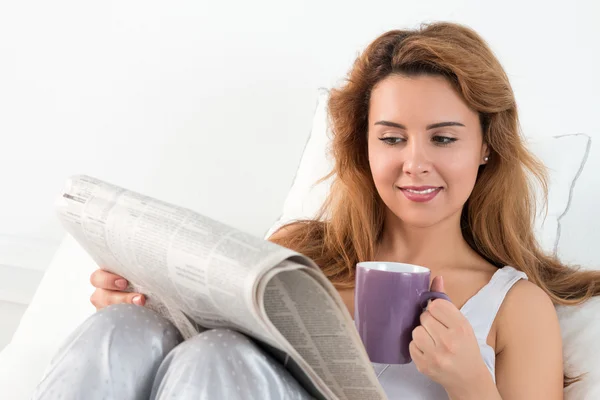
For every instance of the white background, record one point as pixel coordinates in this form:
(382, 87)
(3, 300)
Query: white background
(209, 104)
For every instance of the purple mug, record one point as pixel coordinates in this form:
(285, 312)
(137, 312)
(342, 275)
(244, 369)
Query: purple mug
(389, 298)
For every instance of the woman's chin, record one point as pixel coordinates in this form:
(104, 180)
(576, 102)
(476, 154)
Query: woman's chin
(419, 220)
(420, 223)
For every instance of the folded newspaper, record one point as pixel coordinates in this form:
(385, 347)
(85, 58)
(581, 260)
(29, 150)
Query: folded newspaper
(202, 274)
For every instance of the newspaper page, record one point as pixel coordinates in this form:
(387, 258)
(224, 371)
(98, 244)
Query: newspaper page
(194, 270)
(301, 308)
(200, 273)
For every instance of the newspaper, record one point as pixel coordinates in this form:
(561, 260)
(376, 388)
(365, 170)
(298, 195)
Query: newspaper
(202, 274)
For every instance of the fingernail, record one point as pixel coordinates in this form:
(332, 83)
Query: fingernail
(137, 300)
(121, 283)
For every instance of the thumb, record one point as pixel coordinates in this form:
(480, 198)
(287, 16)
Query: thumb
(437, 285)
(135, 298)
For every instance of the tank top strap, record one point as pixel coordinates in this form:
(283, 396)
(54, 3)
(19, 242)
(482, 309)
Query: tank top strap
(481, 309)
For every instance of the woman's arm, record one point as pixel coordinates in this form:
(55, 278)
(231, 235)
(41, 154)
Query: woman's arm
(529, 363)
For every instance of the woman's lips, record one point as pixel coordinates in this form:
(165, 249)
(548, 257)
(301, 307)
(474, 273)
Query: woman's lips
(420, 194)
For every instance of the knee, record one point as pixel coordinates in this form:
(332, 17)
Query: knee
(216, 347)
(134, 321)
(122, 345)
(225, 364)
(218, 342)
(215, 358)
(128, 326)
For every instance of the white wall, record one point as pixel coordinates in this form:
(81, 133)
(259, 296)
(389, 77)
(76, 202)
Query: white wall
(209, 104)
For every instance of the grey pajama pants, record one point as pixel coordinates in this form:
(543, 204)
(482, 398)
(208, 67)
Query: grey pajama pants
(131, 353)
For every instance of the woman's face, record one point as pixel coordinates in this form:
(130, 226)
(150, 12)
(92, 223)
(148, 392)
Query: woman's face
(425, 148)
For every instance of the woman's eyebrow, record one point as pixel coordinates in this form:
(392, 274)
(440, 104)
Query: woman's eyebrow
(432, 126)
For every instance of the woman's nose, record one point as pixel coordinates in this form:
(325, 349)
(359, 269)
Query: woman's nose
(417, 161)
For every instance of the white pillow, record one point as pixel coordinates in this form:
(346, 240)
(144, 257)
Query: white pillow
(580, 328)
(59, 305)
(564, 156)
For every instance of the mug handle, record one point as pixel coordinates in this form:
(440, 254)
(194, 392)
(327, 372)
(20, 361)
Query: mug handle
(428, 295)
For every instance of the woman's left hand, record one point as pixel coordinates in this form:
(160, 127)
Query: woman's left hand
(444, 346)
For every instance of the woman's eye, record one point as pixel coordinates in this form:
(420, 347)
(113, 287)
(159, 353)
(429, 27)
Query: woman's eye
(443, 140)
(391, 140)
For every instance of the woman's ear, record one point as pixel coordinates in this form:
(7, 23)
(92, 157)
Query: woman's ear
(485, 154)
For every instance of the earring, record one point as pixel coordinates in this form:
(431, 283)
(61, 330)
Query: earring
(486, 158)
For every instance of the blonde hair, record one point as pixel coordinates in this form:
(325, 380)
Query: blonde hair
(497, 219)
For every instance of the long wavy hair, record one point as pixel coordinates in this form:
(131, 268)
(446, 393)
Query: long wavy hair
(497, 219)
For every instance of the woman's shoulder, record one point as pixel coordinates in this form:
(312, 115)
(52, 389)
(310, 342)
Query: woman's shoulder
(525, 310)
(528, 341)
(526, 296)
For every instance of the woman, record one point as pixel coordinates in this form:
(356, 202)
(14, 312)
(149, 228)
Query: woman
(430, 169)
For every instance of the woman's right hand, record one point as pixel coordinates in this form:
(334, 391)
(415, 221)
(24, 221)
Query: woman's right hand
(109, 290)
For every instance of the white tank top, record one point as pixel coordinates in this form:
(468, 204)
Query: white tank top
(405, 382)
